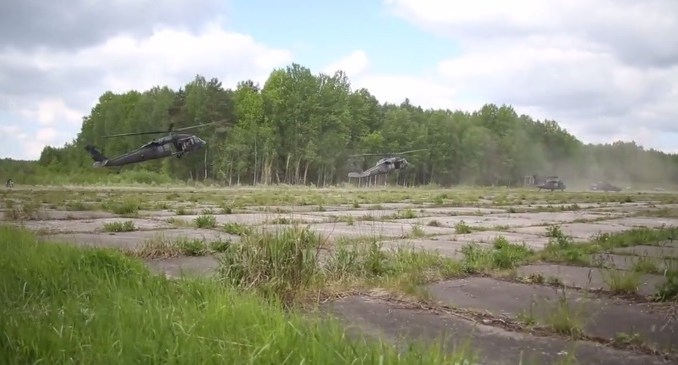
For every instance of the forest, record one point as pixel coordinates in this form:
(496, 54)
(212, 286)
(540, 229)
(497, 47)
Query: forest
(301, 128)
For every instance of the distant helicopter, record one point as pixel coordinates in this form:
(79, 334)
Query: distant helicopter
(384, 165)
(551, 183)
(176, 145)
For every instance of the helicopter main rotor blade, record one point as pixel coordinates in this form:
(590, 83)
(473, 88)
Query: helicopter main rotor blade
(191, 127)
(389, 154)
(134, 134)
(410, 151)
(169, 130)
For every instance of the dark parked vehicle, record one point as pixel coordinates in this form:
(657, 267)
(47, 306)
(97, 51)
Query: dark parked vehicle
(604, 186)
(551, 184)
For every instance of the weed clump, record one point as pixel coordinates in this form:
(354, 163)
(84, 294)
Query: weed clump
(127, 207)
(25, 211)
(462, 228)
(126, 226)
(161, 247)
(237, 229)
(206, 221)
(503, 255)
(669, 289)
(279, 265)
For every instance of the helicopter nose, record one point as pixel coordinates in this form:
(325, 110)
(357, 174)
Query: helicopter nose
(201, 142)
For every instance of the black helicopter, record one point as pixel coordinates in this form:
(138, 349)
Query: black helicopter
(384, 165)
(173, 144)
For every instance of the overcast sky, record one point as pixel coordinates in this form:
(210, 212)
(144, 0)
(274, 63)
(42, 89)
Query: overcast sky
(605, 72)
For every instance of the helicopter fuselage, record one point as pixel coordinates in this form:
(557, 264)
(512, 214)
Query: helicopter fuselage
(175, 145)
(383, 166)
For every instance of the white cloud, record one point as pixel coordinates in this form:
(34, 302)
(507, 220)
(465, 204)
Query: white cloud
(604, 71)
(423, 91)
(353, 65)
(50, 111)
(22, 144)
(67, 84)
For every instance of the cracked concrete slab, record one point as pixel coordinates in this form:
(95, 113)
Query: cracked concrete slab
(555, 217)
(89, 225)
(492, 345)
(373, 229)
(135, 239)
(631, 262)
(484, 222)
(530, 240)
(578, 231)
(359, 213)
(649, 251)
(590, 278)
(633, 222)
(462, 211)
(598, 316)
(443, 246)
(76, 214)
(252, 218)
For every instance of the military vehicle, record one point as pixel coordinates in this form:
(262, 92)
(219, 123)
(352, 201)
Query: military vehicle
(604, 186)
(551, 183)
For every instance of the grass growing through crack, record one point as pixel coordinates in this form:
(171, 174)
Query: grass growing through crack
(292, 264)
(565, 318)
(126, 226)
(621, 282)
(279, 264)
(206, 221)
(126, 207)
(503, 255)
(561, 247)
(160, 247)
(26, 211)
(367, 264)
(105, 308)
(668, 291)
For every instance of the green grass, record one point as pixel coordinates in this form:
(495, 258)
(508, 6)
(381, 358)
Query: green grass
(562, 249)
(62, 305)
(206, 221)
(160, 247)
(286, 266)
(126, 226)
(502, 256)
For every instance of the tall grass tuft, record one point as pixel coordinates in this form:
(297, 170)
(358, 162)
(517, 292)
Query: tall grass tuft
(278, 264)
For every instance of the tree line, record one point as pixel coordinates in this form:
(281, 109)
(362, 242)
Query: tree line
(302, 128)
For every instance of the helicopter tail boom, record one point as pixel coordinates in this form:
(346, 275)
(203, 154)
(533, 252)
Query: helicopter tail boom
(356, 175)
(97, 156)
